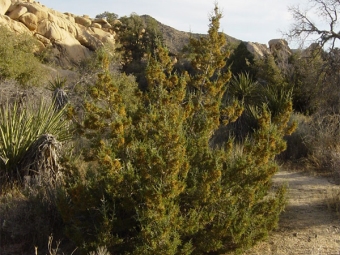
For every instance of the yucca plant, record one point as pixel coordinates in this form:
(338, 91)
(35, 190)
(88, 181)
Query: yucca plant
(20, 127)
(59, 95)
(242, 87)
(276, 97)
(100, 251)
(245, 91)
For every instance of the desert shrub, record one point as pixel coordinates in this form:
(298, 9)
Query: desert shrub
(241, 88)
(109, 16)
(28, 217)
(315, 77)
(242, 61)
(30, 176)
(268, 73)
(314, 145)
(100, 128)
(323, 142)
(153, 184)
(307, 79)
(137, 38)
(17, 59)
(92, 65)
(46, 55)
(253, 94)
(297, 149)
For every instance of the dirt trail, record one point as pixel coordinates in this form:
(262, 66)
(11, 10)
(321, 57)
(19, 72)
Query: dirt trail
(307, 226)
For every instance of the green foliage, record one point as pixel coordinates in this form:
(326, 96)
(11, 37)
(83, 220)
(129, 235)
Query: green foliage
(307, 78)
(102, 130)
(90, 67)
(109, 16)
(158, 156)
(58, 83)
(268, 72)
(138, 37)
(17, 60)
(242, 88)
(275, 94)
(20, 126)
(242, 61)
(315, 78)
(297, 147)
(153, 183)
(225, 197)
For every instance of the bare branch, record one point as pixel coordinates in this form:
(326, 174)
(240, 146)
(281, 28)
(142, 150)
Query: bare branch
(305, 28)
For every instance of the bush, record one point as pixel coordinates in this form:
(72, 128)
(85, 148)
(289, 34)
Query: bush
(315, 143)
(297, 148)
(242, 61)
(17, 60)
(252, 95)
(28, 218)
(323, 141)
(153, 183)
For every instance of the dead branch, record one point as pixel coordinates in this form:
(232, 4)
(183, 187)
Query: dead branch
(305, 28)
(40, 162)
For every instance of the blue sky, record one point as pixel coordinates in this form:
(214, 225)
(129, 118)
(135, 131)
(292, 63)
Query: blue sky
(248, 20)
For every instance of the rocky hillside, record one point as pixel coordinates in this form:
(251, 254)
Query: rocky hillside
(72, 37)
(175, 39)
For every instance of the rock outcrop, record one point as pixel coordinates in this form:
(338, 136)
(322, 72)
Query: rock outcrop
(280, 50)
(71, 37)
(277, 47)
(257, 49)
(4, 5)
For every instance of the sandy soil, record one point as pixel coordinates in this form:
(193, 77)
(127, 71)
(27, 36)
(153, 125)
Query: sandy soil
(307, 226)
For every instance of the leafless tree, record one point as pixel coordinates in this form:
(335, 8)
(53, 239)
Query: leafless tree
(317, 22)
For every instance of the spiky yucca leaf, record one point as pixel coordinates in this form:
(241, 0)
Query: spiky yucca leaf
(276, 97)
(242, 86)
(14, 131)
(20, 126)
(59, 96)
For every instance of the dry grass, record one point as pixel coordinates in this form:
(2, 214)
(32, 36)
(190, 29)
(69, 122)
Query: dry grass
(27, 218)
(332, 198)
(100, 251)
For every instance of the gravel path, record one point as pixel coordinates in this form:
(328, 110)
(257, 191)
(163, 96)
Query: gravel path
(307, 226)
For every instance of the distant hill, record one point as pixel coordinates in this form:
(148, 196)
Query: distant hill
(73, 38)
(176, 40)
